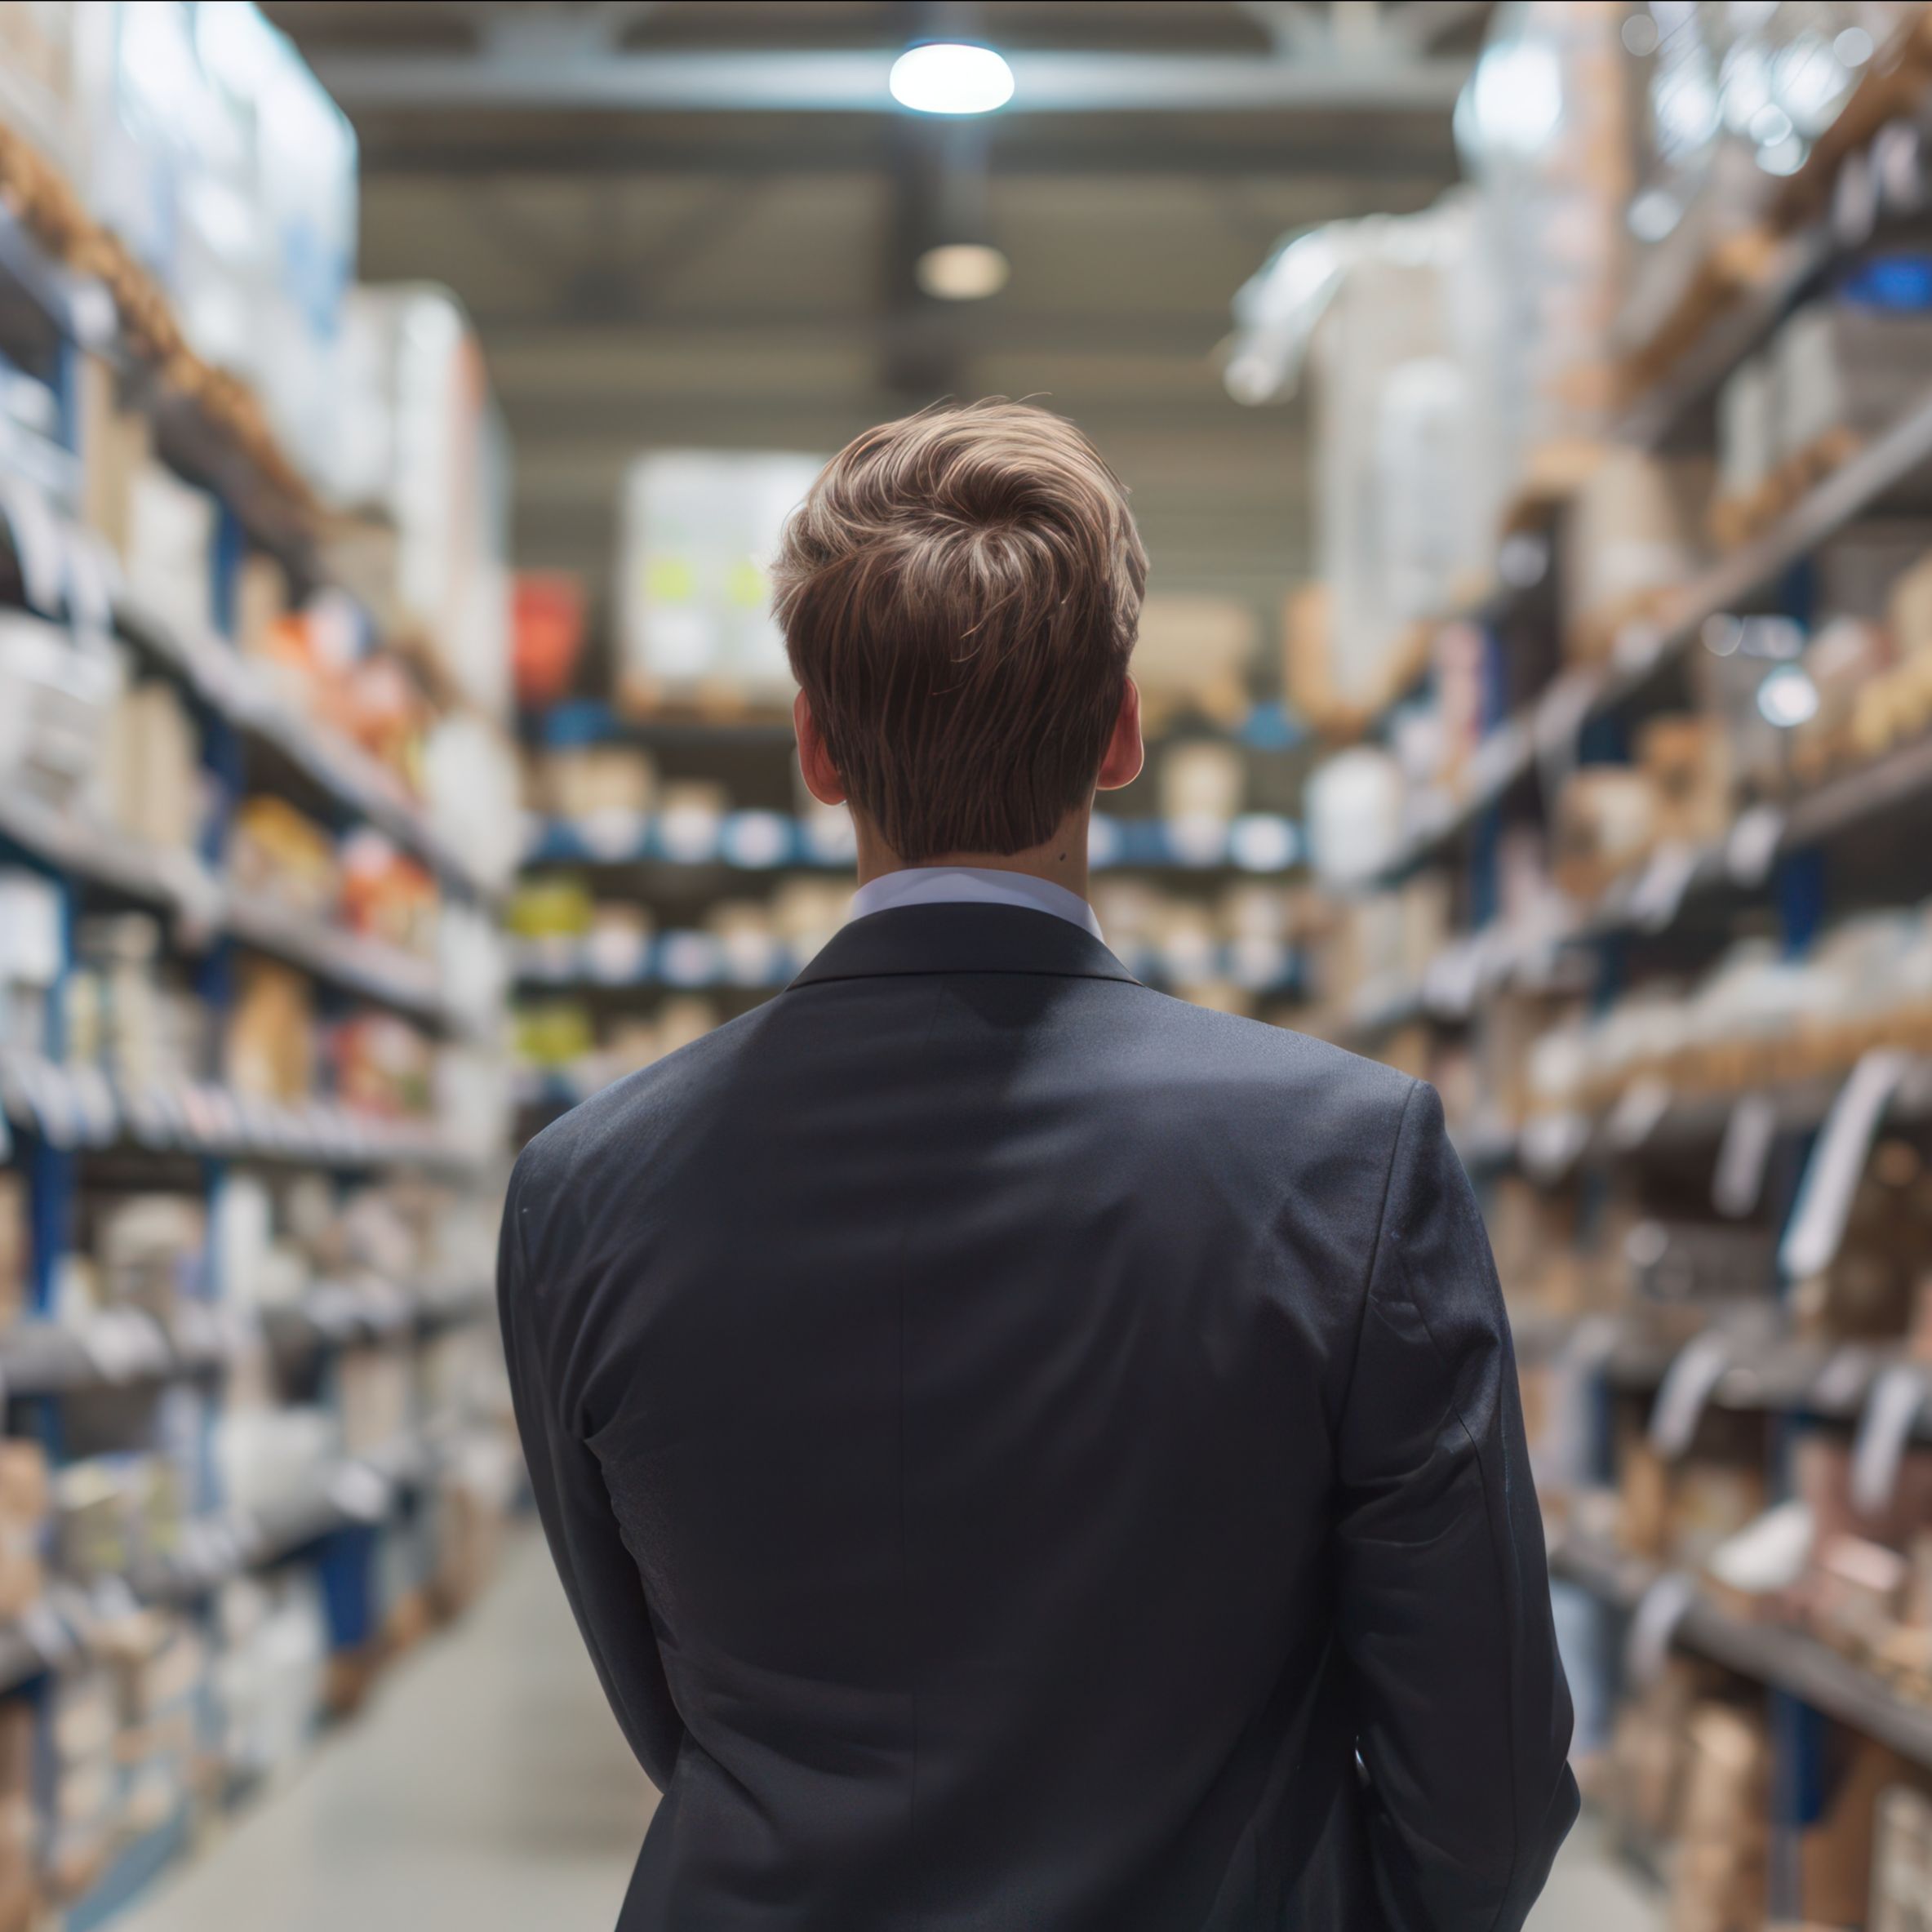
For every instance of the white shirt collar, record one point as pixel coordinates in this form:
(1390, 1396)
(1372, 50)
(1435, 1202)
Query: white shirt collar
(942, 884)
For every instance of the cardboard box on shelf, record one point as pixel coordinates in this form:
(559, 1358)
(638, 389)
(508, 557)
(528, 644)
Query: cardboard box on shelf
(1196, 652)
(15, 1245)
(1835, 1853)
(1631, 539)
(57, 693)
(1649, 1753)
(1720, 1877)
(116, 444)
(23, 1499)
(152, 770)
(271, 1047)
(591, 781)
(170, 547)
(1687, 760)
(1203, 778)
(285, 855)
(1901, 1890)
(1606, 821)
(1845, 372)
(261, 602)
(1747, 449)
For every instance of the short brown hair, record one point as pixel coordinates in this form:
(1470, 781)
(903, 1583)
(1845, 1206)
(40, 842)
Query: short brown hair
(960, 592)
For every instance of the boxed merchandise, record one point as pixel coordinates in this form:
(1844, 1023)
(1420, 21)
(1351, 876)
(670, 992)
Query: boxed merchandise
(617, 947)
(747, 948)
(698, 529)
(1407, 478)
(1204, 779)
(83, 1782)
(39, 89)
(547, 615)
(469, 785)
(23, 1527)
(382, 1064)
(150, 1252)
(1687, 761)
(279, 852)
(272, 1648)
(551, 914)
(421, 441)
(1745, 491)
(57, 694)
(385, 894)
(131, 1011)
(1196, 652)
(1844, 373)
(373, 1396)
(32, 944)
(116, 446)
(1632, 536)
(271, 1045)
(471, 1500)
(1650, 1751)
(806, 912)
(114, 1515)
(232, 181)
(1722, 1872)
(1716, 184)
(583, 782)
(152, 769)
(16, 1245)
(261, 598)
(20, 1821)
(1555, 198)
(1606, 821)
(171, 548)
(1901, 1893)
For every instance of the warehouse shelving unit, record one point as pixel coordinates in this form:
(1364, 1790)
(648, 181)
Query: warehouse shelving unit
(679, 863)
(58, 1119)
(1772, 869)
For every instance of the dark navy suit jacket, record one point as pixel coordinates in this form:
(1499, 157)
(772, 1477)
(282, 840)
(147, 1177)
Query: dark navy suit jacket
(1029, 1454)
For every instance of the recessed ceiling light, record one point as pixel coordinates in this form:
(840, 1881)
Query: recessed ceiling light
(962, 271)
(951, 78)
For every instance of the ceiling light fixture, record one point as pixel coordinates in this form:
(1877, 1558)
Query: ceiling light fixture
(1788, 698)
(951, 78)
(962, 271)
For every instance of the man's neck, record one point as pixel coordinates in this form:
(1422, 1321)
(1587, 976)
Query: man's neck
(1060, 860)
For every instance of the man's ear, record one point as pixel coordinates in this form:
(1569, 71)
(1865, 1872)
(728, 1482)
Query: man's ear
(821, 775)
(1125, 755)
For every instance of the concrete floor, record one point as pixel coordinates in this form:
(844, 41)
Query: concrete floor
(487, 1790)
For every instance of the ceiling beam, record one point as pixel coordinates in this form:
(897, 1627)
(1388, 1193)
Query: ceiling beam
(411, 150)
(671, 333)
(564, 74)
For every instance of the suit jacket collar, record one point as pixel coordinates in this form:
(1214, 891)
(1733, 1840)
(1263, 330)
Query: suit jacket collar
(963, 939)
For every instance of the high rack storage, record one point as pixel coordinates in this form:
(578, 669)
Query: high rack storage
(253, 1080)
(1628, 858)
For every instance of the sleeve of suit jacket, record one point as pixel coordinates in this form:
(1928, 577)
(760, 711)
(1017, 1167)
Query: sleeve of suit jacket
(605, 1592)
(1464, 1716)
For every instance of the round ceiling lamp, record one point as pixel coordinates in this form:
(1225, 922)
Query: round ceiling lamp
(962, 271)
(951, 78)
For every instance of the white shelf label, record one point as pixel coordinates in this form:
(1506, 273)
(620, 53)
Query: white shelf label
(1742, 1154)
(1825, 1196)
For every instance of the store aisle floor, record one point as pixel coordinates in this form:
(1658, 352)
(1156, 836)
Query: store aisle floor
(487, 1790)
